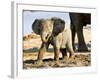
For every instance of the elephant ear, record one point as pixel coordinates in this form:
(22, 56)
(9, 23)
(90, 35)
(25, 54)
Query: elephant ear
(58, 25)
(36, 26)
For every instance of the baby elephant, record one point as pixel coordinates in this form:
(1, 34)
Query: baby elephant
(54, 31)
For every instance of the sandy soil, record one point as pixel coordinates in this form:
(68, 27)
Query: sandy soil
(32, 44)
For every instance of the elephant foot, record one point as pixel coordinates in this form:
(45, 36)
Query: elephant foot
(58, 64)
(82, 49)
(64, 60)
(67, 58)
(40, 63)
(72, 55)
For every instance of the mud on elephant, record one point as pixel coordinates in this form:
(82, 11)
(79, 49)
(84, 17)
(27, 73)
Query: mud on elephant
(56, 32)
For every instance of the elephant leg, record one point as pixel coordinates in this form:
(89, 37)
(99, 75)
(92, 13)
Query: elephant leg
(69, 46)
(73, 31)
(71, 54)
(56, 46)
(56, 55)
(81, 42)
(41, 53)
(70, 50)
(64, 54)
(77, 21)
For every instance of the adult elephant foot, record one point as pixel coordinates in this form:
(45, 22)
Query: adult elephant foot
(82, 48)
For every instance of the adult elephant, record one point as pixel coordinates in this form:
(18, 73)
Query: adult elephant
(78, 20)
(56, 32)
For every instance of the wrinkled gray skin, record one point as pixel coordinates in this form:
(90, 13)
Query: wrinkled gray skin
(59, 37)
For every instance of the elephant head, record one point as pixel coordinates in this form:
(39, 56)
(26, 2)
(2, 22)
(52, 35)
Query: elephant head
(48, 27)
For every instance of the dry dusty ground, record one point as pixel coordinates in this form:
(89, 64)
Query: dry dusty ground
(32, 45)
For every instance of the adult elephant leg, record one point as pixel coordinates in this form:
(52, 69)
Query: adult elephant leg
(73, 31)
(81, 42)
(77, 21)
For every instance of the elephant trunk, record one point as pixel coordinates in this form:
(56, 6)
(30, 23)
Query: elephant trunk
(45, 36)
